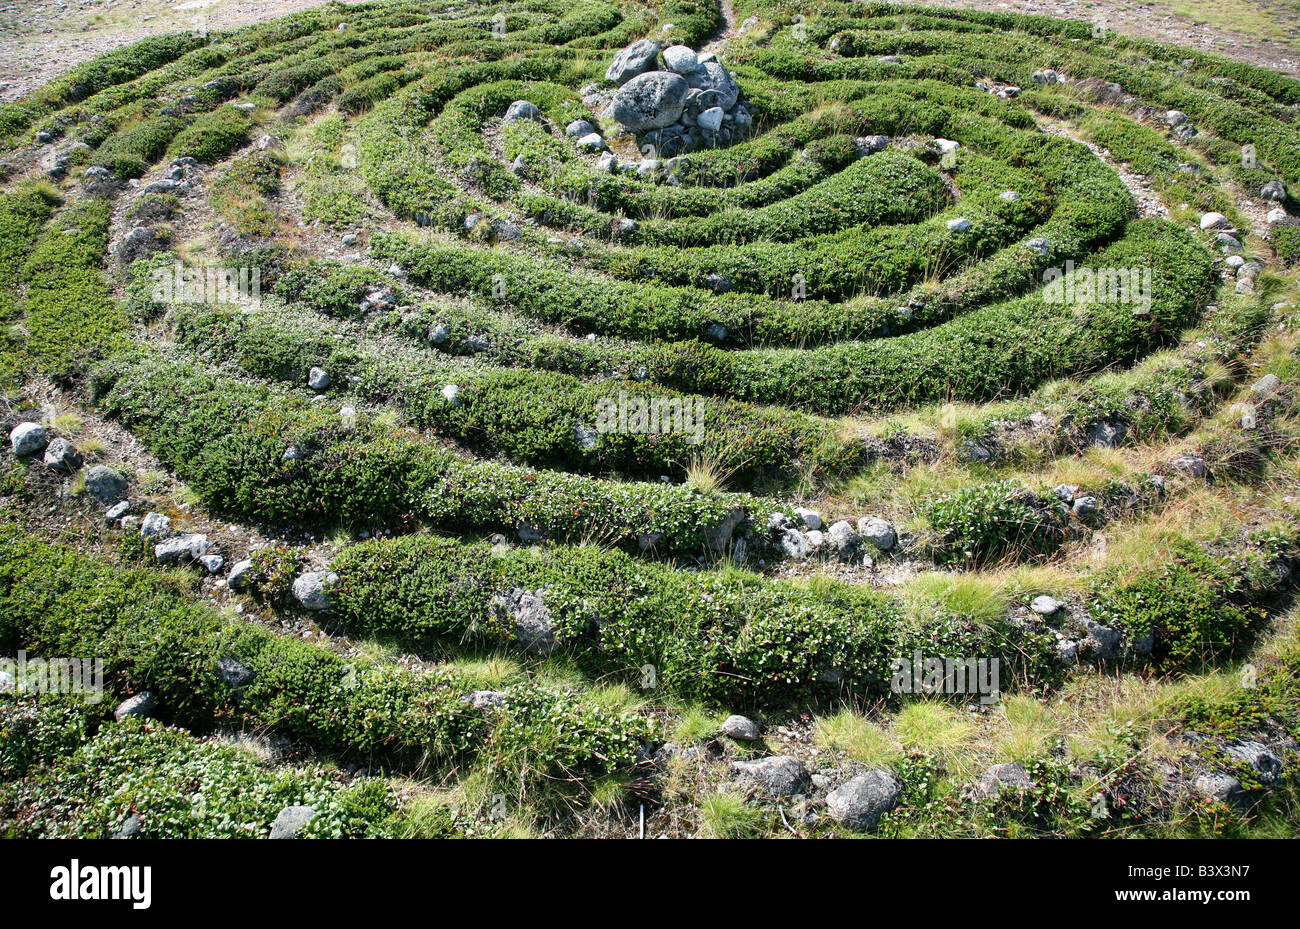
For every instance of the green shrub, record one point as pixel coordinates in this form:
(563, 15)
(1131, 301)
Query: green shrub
(1192, 604)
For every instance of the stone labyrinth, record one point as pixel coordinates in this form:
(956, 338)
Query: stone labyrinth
(699, 351)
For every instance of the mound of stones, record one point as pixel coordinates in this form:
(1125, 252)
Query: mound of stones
(689, 103)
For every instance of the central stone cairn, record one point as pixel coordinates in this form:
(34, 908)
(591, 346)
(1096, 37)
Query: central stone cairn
(692, 103)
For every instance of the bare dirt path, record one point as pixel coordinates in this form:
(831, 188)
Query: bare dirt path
(40, 40)
(726, 28)
(1155, 20)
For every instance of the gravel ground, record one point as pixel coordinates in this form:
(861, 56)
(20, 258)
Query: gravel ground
(41, 40)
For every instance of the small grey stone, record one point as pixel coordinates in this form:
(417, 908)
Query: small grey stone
(155, 526)
(182, 549)
(1065, 492)
(117, 511)
(485, 699)
(778, 522)
(318, 379)
(1106, 433)
(1265, 385)
(680, 59)
(844, 538)
(1085, 506)
(1045, 605)
(879, 532)
(711, 119)
(233, 672)
(585, 437)
(1041, 245)
(811, 518)
(579, 128)
(591, 142)
(960, 224)
(526, 611)
(530, 533)
(239, 579)
(62, 455)
(870, 144)
(129, 829)
(777, 775)
(27, 439)
(522, 109)
(1103, 641)
(740, 727)
(795, 544)
(636, 59)
(716, 83)
(105, 485)
(1011, 776)
(311, 589)
(1274, 191)
(1192, 466)
(1218, 787)
(142, 704)
(1258, 756)
(214, 563)
(861, 802)
(291, 821)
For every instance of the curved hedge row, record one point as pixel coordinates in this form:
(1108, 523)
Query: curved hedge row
(249, 450)
(719, 636)
(537, 418)
(152, 635)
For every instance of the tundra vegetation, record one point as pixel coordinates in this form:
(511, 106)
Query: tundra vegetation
(540, 419)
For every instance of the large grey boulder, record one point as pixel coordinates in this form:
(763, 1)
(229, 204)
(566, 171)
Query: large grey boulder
(291, 821)
(636, 59)
(311, 590)
(649, 101)
(105, 485)
(526, 613)
(777, 776)
(740, 727)
(860, 803)
(27, 439)
(716, 83)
